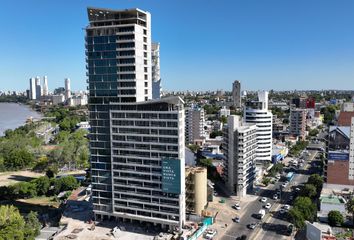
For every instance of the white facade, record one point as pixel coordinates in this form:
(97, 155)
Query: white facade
(257, 112)
(224, 111)
(236, 94)
(32, 89)
(195, 122)
(347, 107)
(240, 147)
(45, 86)
(155, 67)
(67, 89)
(78, 100)
(38, 88)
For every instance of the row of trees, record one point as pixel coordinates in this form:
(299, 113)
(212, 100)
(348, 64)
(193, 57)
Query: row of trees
(38, 187)
(298, 147)
(305, 207)
(14, 226)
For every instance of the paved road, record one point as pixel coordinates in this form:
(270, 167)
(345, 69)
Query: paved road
(274, 226)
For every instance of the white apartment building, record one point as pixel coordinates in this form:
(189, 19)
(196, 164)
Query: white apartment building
(32, 94)
(45, 86)
(257, 112)
(38, 88)
(155, 66)
(195, 122)
(240, 147)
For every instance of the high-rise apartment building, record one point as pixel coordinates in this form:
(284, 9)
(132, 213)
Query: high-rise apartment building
(236, 94)
(195, 122)
(136, 145)
(257, 112)
(155, 64)
(45, 86)
(67, 89)
(240, 148)
(32, 94)
(298, 122)
(38, 88)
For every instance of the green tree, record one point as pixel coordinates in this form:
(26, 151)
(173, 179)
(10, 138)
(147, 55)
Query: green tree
(18, 158)
(335, 218)
(12, 224)
(350, 208)
(65, 184)
(297, 218)
(23, 190)
(223, 119)
(51, 172)
(42, 185)
(214, 134)
(205, 162)
(306, 207)
(32, 227)
(308, 190)
(193, 147)
(316, 180)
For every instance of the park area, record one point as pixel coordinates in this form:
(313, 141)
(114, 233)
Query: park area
(9, 178)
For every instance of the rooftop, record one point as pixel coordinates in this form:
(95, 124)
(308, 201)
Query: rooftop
(332, 199)
(345, 118)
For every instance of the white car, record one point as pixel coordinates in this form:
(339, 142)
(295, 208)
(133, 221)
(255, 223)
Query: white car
(268, 205)
(284, 185)
(236, 219)
(286, 207)
(275, 196)
(209, 234)
(263, 199)
(237, 206)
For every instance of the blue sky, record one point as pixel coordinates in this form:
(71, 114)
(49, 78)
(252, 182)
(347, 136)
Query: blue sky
(205, 45)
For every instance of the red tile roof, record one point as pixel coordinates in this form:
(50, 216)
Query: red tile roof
(345, 118)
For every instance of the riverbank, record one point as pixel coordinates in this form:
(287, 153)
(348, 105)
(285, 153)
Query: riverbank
(14, 115)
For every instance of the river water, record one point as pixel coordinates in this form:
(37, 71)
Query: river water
(13, 115)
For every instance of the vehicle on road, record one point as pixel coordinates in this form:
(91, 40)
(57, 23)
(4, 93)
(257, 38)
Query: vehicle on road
(290, 176)
(275, 196)
(282, 211)
(236, 219)
(286, 207)
(268, 206)
(252, 226)
(261, 213)
(237, 206)
(263, 199)
(284, 185)
(209, 234)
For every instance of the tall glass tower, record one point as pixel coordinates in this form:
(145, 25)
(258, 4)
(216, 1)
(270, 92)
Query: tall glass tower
(136, 144)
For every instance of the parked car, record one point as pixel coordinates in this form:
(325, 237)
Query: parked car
(268, 206)
(275, 196)
(286, 207)
(263, 199)
(236, 219)
(209, 234)
(252, 226)
(282, 211)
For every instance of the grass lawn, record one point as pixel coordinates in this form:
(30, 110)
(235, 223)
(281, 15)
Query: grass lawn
(42, 201)
(9, 178)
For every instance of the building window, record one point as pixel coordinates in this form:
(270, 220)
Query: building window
(145, 54)
(145, 31)
(146, 98)
(146, 84)
(146, 77)
(145, 39)
(145, 69)
(146, 91)
(145, 62)
(145, 47)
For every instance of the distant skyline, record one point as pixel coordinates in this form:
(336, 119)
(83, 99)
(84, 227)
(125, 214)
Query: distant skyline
(205, 45)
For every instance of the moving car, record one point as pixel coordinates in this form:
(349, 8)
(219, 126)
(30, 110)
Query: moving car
(263, 199)
(268, 205)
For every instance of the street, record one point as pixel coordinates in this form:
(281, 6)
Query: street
(274, 223)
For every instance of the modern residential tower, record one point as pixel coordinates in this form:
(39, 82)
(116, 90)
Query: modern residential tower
(257, 112)
(298, 122)
(45, 86)
(136, 144)
(38, 88)
(239, 146)
(236, 94)
(32, 94)
(67, 89)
